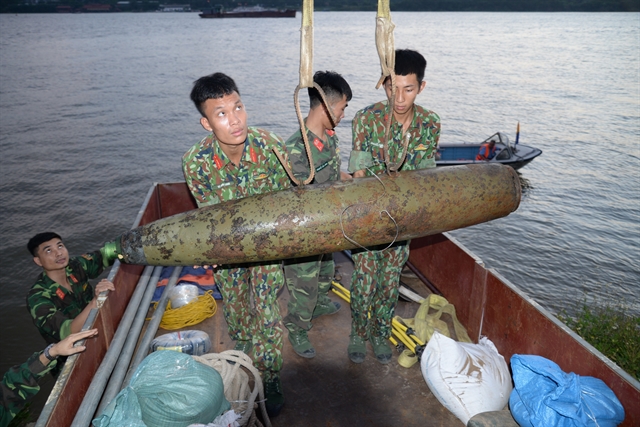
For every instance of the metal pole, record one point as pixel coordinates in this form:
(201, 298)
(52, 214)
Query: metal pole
(117, 377)
(92, 397)
(152, 327)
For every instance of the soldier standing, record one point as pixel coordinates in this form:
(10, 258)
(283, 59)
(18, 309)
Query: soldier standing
(376, 275)
(233, 162)
(309, 279)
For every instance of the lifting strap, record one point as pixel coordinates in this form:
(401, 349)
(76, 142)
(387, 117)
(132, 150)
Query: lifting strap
(386, 51)
(306, 81)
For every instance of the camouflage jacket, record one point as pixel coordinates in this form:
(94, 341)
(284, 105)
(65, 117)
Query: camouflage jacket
(368, 136)
(326, 156)
(52, 307)
(19, 384)
(212, 178)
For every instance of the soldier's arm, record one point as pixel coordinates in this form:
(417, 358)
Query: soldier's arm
(198, 186)
(298, 157)
(78, 322)
(19, 384)
(93, 263)
(46, 316)
(360, 157)
(281, 180)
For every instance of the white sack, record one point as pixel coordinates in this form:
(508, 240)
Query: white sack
(466, 378)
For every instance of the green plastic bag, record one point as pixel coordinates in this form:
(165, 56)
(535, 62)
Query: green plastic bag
(169, 389)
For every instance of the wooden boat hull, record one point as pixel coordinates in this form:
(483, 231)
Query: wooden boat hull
(486, 303)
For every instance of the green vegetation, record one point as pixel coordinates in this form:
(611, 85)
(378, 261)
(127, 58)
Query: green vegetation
(612, 330)
(46, 6)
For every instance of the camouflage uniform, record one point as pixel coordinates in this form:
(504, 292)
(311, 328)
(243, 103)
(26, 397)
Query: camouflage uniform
(53, 307)
(310, 278)
(376, 274)
(212, 178)
(20, 384)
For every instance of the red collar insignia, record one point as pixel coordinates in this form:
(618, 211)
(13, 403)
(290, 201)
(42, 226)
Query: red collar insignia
(331, 132)
(60, 293)
(254, 156)
(319, 145)
(217, 161)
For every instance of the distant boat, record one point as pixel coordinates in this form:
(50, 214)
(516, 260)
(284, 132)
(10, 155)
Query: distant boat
(249, 12)
(514, 155)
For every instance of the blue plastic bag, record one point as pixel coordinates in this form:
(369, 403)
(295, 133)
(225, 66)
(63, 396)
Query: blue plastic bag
(545, 396)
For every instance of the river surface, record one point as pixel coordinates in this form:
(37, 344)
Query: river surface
(94, 108)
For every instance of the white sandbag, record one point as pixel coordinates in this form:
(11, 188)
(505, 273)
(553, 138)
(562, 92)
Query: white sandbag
(466, 378)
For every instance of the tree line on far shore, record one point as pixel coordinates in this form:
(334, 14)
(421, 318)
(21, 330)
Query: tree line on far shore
(52, 6)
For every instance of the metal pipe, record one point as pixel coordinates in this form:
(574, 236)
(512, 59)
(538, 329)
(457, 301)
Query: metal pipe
(326, 218)
(152, 326)
(92, 397)
(422, 277)
(119, 372)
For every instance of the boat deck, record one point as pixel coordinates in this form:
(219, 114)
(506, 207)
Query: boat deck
(330, 390)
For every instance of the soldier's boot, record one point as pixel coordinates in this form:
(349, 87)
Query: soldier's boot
(357, 348)
(325, 306)
(381, 349)
(274, 395)
(300, 341)
(243, 346)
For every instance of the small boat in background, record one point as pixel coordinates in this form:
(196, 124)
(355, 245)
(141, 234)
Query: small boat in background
(514, 155)
(248, 12)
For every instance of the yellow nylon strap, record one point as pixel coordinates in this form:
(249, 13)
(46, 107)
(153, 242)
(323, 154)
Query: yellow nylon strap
(306, 45)
(384, 40)
(306, 80)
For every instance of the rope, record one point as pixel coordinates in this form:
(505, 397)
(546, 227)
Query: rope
(190, 314)
(237, 384)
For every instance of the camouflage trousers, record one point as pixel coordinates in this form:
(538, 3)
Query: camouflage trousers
(250, 294)
(374, 288)
(307, 279)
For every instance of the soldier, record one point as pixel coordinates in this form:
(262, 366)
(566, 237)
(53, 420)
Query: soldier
(376, 275)
(20, 383)
(309, 279)
(233, 162)
(62, 297)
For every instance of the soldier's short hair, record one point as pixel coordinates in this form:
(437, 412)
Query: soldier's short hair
(39, 239)
(410, 62)
(213, 86)
(333, 85)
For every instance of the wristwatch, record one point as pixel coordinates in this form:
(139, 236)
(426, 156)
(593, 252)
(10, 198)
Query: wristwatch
(48, 355)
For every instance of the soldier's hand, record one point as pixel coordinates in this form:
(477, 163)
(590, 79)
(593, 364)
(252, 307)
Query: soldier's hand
(345, 176)
(104, 285)
(66, 348)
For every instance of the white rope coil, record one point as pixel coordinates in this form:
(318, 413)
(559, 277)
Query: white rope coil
(236, 382)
